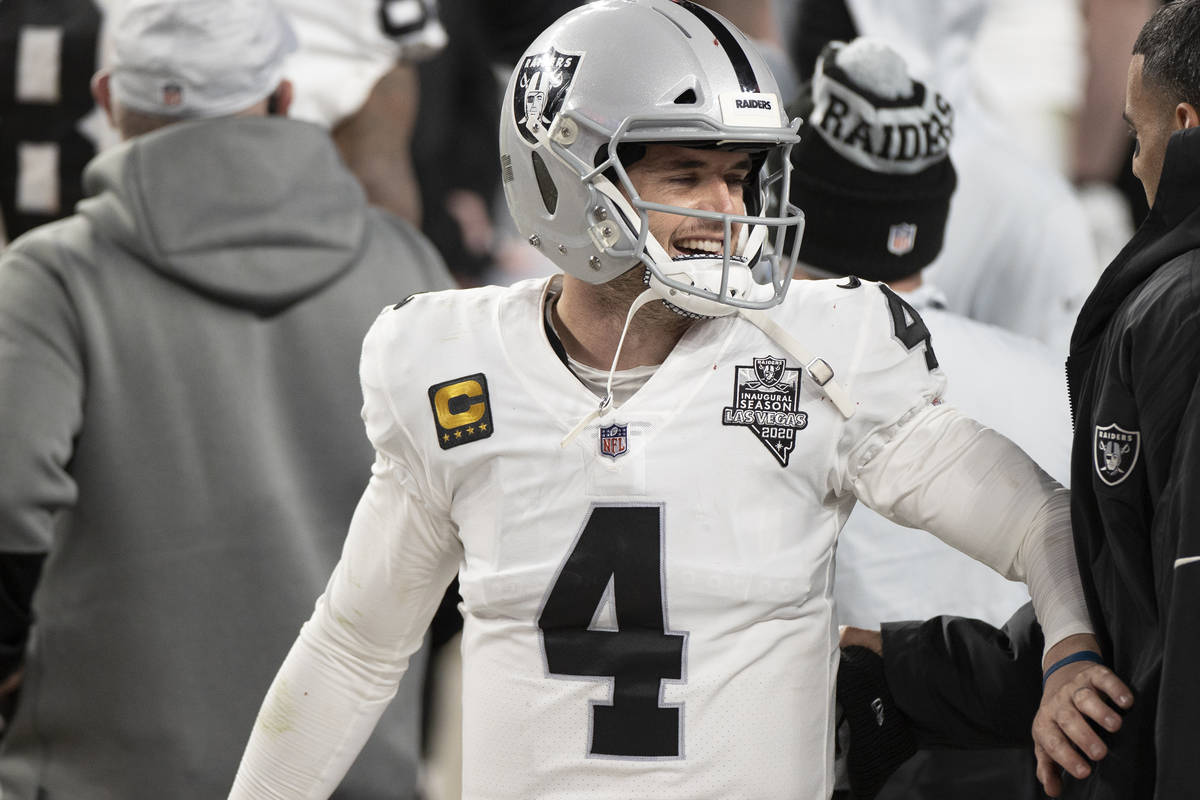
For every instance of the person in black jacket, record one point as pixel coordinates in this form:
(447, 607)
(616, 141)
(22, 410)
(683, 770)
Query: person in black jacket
(1134, 380)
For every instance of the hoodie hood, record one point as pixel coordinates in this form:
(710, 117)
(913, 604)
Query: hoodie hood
(935, 37)
(254, 212)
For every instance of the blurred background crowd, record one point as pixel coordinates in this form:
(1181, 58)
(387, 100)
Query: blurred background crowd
(1048, 74)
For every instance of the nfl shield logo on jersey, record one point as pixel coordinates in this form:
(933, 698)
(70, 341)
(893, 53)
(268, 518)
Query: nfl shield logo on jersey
(1115, 452)
(614, 440)
(902, 237)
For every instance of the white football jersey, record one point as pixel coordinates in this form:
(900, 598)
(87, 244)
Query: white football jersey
(648, 607)
(647, 610)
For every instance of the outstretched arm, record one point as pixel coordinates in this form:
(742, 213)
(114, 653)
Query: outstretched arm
(350, 655)
(943, 472)
(977, 491)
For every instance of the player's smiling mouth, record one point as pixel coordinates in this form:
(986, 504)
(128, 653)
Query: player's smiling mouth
(694, 247)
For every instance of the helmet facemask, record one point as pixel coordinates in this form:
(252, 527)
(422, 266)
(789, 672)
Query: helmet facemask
(754, 268)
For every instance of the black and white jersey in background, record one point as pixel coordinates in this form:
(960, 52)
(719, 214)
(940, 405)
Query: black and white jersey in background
(49, 50)
(49, 125)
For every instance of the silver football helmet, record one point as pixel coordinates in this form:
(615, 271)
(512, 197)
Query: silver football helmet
(614, 74)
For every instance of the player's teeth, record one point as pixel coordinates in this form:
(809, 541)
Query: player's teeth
(704, 245)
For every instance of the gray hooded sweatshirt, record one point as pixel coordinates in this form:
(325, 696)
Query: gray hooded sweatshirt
(180, 434)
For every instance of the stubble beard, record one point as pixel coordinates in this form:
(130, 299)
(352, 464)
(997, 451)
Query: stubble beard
(617, 295)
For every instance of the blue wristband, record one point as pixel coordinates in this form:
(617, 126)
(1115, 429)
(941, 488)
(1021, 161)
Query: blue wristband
(1082, 655)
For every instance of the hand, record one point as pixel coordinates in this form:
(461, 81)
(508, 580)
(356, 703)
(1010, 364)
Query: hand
(1061, 728)
(872, 640)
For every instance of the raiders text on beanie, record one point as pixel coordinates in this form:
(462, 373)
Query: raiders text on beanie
(871, 171)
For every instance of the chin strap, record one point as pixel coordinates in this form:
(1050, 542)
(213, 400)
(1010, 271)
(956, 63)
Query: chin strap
(817, 368)
(606, 402)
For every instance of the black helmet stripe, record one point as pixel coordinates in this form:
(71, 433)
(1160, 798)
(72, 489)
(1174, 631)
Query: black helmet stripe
(741, 64)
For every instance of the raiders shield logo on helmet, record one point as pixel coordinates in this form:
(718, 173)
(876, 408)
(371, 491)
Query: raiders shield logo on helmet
(541, 89)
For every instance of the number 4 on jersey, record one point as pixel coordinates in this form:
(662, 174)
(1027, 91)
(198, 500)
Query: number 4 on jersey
(910, 328)
(619, 547)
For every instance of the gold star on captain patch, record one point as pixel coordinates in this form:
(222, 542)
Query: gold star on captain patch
(458, 434)
(483, 427)
(445, 437)
(470, 430)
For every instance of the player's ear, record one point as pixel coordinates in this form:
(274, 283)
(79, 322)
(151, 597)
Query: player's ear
(1187, 116)
(280, 100)
(102, 93)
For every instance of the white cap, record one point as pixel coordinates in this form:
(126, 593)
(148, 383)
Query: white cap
(345, 50)
(197, 58)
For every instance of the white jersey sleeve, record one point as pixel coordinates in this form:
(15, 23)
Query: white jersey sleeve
(888, 365)
(922, 464)
(400, 554)
(888, 572)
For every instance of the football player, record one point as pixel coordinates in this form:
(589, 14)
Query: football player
(638, 468)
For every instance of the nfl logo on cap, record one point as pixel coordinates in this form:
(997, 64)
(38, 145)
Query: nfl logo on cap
(614, 440)
(902, 238)
(172, 94)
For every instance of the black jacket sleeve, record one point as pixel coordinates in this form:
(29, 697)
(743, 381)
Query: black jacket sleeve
(1178, 519)
(962, 682)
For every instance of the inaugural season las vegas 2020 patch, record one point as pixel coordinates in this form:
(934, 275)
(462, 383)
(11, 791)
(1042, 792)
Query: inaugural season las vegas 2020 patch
(462, 412)
(766, 399)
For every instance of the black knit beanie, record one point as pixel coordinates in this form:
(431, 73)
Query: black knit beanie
(872, 171)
